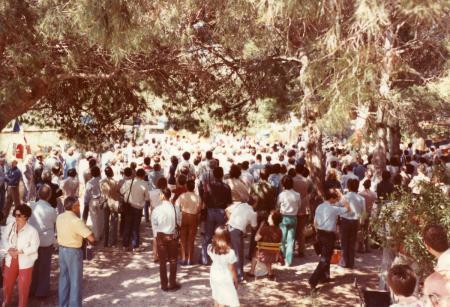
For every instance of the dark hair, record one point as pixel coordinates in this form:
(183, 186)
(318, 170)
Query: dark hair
(264, 174)
(245, 165)
(276, 168)
(140, 173)
(95, 171)
(333, 164)
(258, 157)
(287, 182)
(367, 183)
(277, 218)
(402, 280)
(174, 160)
(435, 236)
(209, 155)
(268, 158)
(235, 171)
(352, 185)
(181, 179)
(161, 183)
(305, 172)
(92, 162)
(72, 172)
(221, 242)
(291, 172)
(128, 172)
(156, 167)
(133, 165)
(299, 168)
(147, 161)
(331, 194)
(24, 209)
(218, 172)
(186, 155)
(109, 172)
(46, 175)
(190, 185)
(167, 193)
(386, 175)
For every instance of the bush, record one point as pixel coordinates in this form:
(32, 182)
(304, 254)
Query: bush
(401, 221)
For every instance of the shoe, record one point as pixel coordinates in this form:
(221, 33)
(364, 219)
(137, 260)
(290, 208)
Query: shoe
(325, 280)
(181, 262)
(165, 289)
(175, 287)
(271, 277)
(313, 288)
(189, 263)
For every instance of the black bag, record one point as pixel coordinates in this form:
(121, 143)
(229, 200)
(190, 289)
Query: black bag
(176, 234)
(88, 251)
(126, 206)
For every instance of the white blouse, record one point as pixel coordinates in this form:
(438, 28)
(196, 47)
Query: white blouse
(26, 241)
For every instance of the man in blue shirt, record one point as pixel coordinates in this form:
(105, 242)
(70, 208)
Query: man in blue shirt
(43, 219)
(12, 179)
(325, 223)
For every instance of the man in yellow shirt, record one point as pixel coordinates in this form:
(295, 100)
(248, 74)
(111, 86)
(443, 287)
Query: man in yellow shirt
(71, 231)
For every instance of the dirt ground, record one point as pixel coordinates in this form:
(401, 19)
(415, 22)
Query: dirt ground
(119, 278)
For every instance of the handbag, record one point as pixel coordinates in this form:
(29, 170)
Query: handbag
(88, 251)
(176, 234)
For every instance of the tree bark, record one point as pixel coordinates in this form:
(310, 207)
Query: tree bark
(394, 139)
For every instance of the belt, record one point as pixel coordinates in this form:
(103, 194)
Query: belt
(165, 236)
(69, 247)
(325, 231)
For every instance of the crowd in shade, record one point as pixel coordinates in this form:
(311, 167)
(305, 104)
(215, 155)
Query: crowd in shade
(250, 202)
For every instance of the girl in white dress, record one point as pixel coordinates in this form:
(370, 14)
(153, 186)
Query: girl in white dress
(223, 275)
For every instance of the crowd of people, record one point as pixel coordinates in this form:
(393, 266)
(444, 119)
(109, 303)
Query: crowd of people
(225, 189)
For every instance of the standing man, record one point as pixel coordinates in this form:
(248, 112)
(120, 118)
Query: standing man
(166, 218)
(216, 196)
(303, 186)
(240, 215)
(135, 193)
(43, 219)
(13, 177)
(350, 223)
(325, 223)
(71, 232)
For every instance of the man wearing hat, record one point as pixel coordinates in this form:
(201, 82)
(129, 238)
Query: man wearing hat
(12, 178)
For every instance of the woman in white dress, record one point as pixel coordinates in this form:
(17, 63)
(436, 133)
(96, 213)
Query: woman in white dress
(223, 275)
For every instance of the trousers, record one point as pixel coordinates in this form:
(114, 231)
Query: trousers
(237, 244)
(189, 224)
(300, 233)
(168, 252)
(110, 227)
(348, 232)
(70, 276)
(131, 225)
(288, 227)
(322, 271)
(40, 284)
(214, 217)
(10, 275)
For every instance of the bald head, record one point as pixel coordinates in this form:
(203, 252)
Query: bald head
(45, 192)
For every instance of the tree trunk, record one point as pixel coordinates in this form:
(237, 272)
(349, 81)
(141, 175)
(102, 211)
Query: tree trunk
(315, 160)
(394, 140)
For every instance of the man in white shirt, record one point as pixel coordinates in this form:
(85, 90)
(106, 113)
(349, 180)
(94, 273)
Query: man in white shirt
(240, 215)
(166, 218)
(43, 219)
(246, 176)
(289, 203)
(325, 220)
(135, 193)
(350, 223)
(349, 175)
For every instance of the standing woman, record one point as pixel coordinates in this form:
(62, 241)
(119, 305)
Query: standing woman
(20, 242)
(190, 205)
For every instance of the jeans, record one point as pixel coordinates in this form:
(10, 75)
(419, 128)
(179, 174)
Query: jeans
(167, 251)
(322, 271)
(288, 226)
(348, 232)
(237, 244)
(11, 274)
(131, 225)
(110, 229)
(189, 224)
(214, 218)
(70, 276)
(40, 285)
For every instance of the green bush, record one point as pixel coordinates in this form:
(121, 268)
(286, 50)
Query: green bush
(401, 221)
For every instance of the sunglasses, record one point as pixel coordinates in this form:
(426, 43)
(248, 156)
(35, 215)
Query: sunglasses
(19, 215)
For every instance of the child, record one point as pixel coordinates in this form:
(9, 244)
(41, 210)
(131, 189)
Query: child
(223, 275)
(402, 282)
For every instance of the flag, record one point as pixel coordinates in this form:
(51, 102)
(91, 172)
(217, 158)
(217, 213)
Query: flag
(18, 129)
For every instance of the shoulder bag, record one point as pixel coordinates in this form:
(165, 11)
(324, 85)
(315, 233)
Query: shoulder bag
(126, 205)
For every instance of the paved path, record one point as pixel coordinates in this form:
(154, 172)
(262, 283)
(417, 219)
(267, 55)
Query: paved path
(118, 278)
